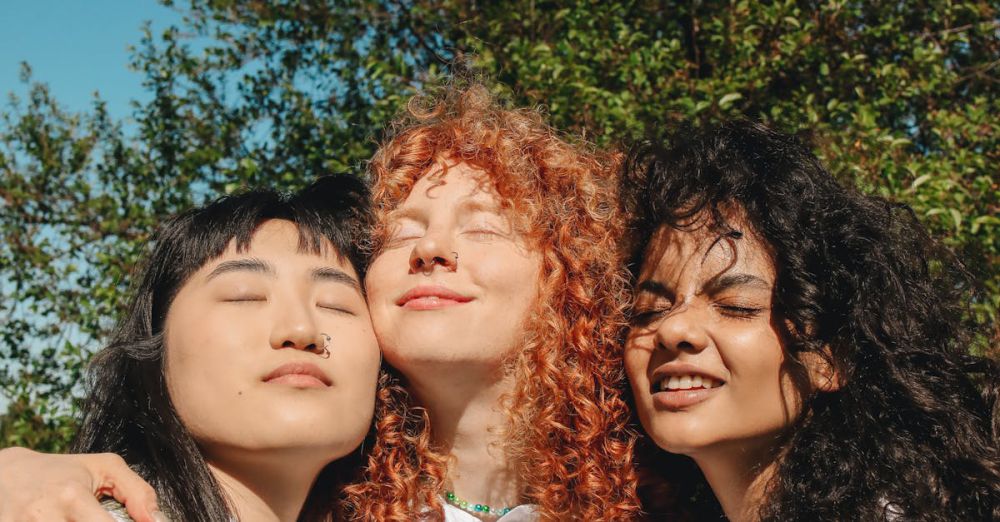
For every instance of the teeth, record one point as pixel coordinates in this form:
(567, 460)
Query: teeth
(688, 382)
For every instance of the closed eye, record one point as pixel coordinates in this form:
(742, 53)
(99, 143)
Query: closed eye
(245, 299)
(642, 317)
(740, 312)
(336, 308)
(481, 234)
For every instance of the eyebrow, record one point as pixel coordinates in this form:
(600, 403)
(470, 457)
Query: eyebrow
(403, 213)
(653, 287)
(243, 265)
(335, 275)
(258, 266)
(468, 206)
(471, 206)
(728, 280)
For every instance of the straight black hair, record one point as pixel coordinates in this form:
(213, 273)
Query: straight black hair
(912, 433)
(128, 410)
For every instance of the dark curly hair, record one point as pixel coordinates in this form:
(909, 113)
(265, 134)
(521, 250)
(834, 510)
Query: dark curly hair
(912, 433)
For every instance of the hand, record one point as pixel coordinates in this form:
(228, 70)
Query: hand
(43, 487)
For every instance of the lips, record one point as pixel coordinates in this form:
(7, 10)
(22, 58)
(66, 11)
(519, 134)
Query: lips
(298, 375)
(676, 386)
(431, 297)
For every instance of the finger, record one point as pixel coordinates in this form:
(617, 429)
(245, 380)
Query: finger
(116, 479)
(70, 503)
(89, 510)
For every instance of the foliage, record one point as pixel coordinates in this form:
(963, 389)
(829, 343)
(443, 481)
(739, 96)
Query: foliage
(897, 97)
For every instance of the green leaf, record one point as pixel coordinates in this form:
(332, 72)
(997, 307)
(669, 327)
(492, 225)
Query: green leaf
(728, 99)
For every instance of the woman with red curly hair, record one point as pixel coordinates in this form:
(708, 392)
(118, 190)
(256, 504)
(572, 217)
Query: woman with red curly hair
(497, 296)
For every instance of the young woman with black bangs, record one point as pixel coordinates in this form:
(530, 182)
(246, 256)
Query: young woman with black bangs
(797, 346)
(241, 378)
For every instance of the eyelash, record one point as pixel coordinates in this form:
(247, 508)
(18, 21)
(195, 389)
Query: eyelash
(735, 312)
(481, 233)
(647, 316)
(250, 299)
(740, 312)
(254, 299)
(337, 309)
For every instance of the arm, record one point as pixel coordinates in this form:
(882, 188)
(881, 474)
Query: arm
(39, 486)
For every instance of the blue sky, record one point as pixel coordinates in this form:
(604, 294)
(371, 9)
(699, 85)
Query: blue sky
(77, 47)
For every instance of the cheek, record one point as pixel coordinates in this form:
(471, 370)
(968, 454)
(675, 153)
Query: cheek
(636, 362)
(204, 356)
(356, 357)
(760, 377)
(515, 273)
(385, 278)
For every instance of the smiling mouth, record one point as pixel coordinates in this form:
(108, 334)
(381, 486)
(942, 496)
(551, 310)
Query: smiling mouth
(672, 383)
(678, 392)
(431, 298)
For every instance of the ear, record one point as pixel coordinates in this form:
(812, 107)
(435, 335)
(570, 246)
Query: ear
(824, 376)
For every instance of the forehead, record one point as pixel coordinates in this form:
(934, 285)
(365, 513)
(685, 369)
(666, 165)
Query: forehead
(453, 183)
(702, 252)
(279, 240)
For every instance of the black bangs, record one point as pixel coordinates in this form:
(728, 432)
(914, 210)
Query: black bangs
(332, 210)
(128, 410)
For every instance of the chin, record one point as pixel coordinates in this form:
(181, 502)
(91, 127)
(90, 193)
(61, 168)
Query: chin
(434, 350)
(683, 438)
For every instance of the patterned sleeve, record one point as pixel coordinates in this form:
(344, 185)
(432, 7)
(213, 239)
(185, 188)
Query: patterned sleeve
(116, 510)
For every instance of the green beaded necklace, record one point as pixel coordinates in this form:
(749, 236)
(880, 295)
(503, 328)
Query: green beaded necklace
(475, 509)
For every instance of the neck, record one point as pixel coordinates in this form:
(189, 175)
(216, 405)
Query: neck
(738, 479)
(468, 423)
(266, 488)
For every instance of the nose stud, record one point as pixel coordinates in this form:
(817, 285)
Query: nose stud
(325, 352)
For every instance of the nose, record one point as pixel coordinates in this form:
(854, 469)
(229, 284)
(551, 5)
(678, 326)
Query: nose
(433, 250)
(682, 330)
(296, 328)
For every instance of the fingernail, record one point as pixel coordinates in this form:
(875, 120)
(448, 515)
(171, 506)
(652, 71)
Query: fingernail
(158, 516)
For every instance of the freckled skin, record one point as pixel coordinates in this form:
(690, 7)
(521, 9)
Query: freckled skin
(457, 219)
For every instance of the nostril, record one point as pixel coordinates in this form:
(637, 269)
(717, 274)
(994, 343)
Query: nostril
(288, 344)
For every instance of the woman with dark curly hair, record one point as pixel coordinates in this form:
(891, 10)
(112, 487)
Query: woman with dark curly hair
(497, 294)
(797, 349)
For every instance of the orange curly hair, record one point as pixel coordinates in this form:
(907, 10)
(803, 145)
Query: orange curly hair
(568, 424)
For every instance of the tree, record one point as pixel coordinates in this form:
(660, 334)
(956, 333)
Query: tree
(896, 96)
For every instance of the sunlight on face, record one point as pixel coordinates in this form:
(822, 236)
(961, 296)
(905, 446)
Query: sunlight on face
(245, 335)
(454, 283)
(704, 356)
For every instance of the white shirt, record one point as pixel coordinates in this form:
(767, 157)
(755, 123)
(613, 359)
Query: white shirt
(522, 513)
